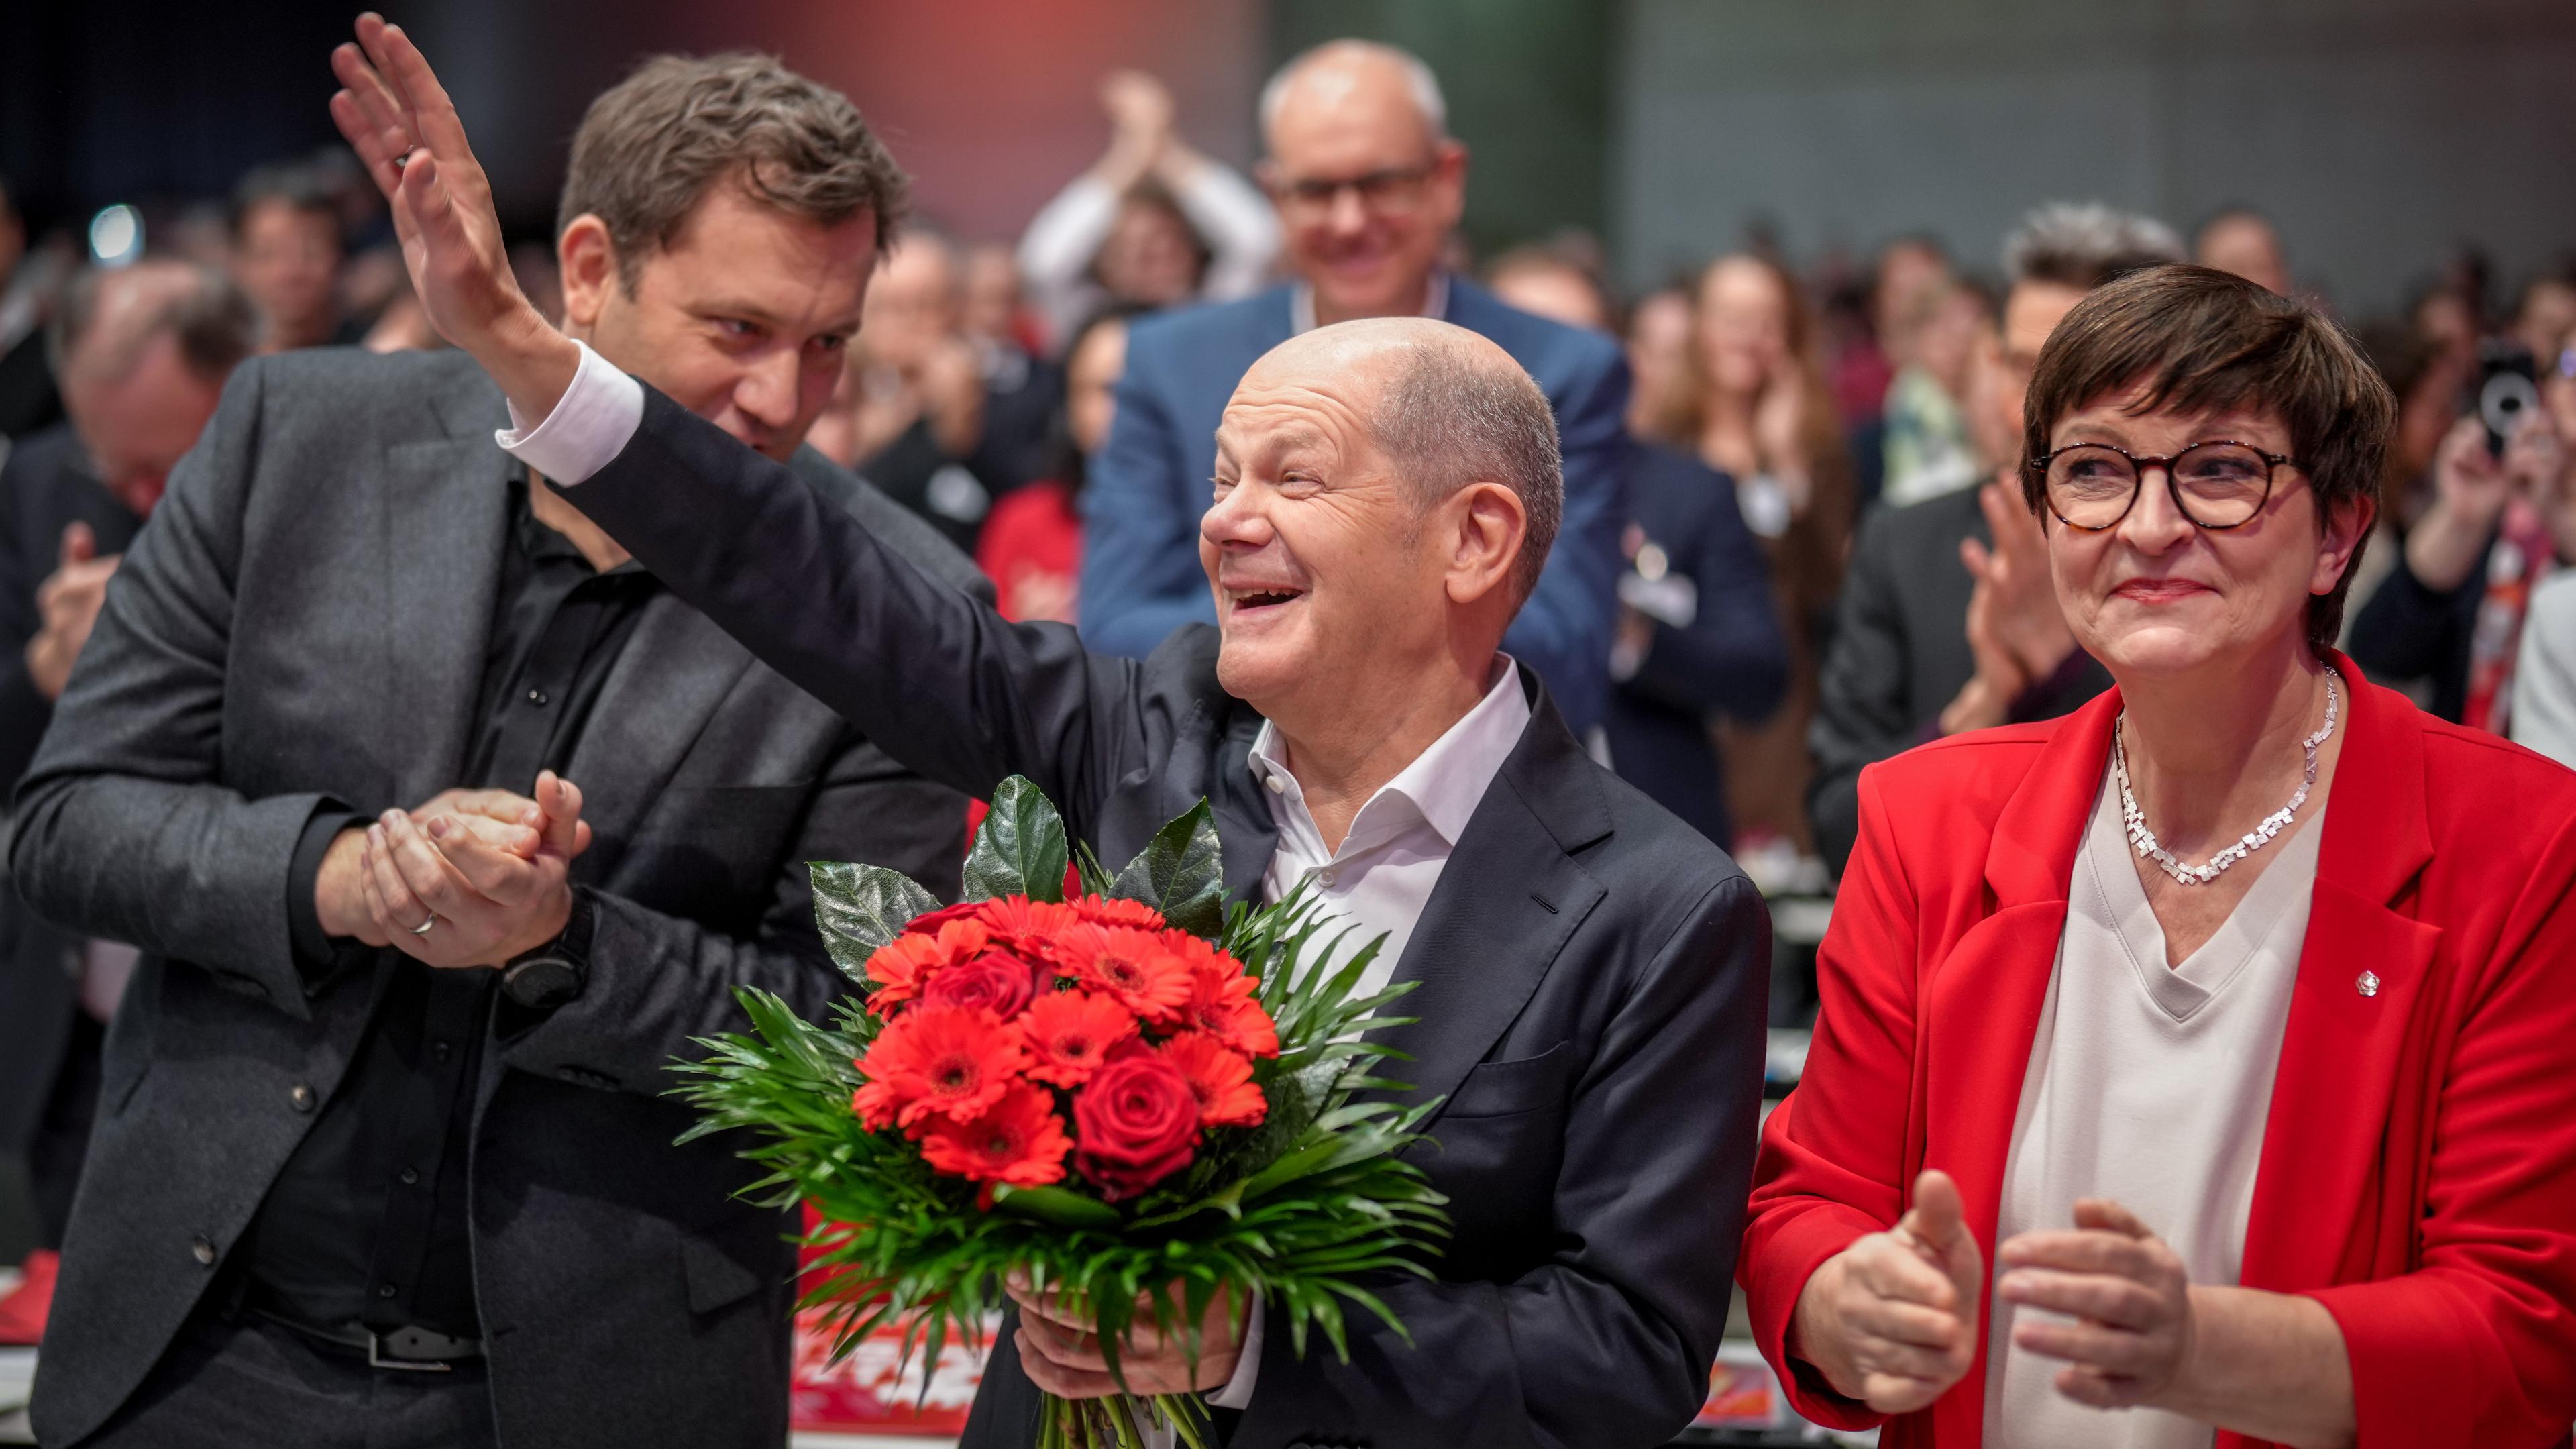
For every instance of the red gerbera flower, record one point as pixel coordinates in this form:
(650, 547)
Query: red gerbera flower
(1220, 1077)
(1031, 926)
(903, 966)
(949, 1061)
(1071, 1032)
(1102, 911)
(1137, 967)
(1018, 1140)
(1223, 1002)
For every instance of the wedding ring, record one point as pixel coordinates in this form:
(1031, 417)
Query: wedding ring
(423, 928)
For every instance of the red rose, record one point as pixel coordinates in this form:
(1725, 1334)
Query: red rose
(1134, 1125)
(997, 981)
(929, 922)
(904, 967)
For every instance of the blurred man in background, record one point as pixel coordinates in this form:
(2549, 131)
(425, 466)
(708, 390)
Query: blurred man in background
(286, 253)
(1948, 620)
(143, 353)
(1369, 185)
(909, 412)
(2242, 240)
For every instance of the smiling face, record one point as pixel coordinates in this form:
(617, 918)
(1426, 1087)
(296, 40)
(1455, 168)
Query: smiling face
(1338, 585)
(742, 319)
(2155, 595)
(1368, 250)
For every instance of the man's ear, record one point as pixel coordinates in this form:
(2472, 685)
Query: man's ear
(589, 262)
(1485, 528)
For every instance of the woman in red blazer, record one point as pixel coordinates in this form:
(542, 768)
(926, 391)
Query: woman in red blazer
(2398, 1239)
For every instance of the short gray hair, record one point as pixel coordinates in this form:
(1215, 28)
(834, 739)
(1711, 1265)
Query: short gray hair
(96, 334)
(1417, 78)
(2082, 244)
(1448, 419)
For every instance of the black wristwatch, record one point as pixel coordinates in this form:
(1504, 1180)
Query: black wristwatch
(554, 973)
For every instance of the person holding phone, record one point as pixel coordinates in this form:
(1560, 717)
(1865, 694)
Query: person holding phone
(2503, 517)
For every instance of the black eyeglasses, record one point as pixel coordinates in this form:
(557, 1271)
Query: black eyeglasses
(2218, 484)
(1392, 192)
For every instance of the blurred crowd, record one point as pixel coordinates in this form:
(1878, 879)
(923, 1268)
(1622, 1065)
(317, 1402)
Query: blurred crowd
(1822, 554)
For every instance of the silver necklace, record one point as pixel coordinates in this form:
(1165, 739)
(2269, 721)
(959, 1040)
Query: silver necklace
(2261, 835)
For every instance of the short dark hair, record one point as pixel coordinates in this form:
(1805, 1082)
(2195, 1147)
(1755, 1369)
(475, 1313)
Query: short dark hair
(297, 187)
(2204, 340)
(652, 145)
(209, 315)
(1447, 420)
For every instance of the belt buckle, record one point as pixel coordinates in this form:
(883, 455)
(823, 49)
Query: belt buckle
(376, 1359)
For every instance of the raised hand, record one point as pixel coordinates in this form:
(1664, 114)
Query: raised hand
(1892, 1319)
(406, 132)
(68, 602)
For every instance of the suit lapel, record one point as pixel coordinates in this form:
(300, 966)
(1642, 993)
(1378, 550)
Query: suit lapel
(1509, 899)
(668, 681)
(1980, 1006)
(2341, 1049)
(1246, 835)
(444, 505)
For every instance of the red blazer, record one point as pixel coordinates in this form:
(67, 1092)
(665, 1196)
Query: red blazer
(2418, 1174)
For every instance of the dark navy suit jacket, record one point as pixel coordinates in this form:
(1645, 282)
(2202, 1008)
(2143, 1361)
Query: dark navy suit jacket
(1141, 577)
(1732, 658)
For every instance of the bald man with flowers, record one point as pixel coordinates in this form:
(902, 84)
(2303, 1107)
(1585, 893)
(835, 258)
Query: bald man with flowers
(1588, 972)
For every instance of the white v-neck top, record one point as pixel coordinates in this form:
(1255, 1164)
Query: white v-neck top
(2148, 1084)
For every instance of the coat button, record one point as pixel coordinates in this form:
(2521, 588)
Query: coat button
(302, 1096)
(202, 1249)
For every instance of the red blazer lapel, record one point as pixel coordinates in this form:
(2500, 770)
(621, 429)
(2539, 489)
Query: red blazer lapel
(1981, 1006)
(2363, 971)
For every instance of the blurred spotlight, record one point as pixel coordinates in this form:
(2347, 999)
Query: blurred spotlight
(116, 236)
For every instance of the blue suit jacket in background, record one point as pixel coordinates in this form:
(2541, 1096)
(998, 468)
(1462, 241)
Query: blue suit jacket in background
(1141, 577)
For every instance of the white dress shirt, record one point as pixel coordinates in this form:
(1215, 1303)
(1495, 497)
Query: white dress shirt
(1379, 879)
(1400, 840)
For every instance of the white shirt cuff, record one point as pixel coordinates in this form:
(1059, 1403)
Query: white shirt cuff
(589, 427)
(1237, 1393)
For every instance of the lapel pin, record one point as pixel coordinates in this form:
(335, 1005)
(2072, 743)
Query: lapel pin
(2367, 983)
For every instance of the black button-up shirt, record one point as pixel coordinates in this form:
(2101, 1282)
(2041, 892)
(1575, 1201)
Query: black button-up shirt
(367, 1223)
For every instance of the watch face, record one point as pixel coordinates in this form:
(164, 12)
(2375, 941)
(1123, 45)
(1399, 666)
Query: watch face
(542, 981)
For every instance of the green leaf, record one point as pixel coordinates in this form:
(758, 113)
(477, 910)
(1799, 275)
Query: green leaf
(1063, 1207)
(1181, 872)
(1021, 848)
(859, 908)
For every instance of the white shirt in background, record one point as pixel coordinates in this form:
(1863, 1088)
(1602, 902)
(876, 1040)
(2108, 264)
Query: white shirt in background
(1229, 213)
(2150, 1085)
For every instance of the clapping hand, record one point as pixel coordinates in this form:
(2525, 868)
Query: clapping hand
(399, 120)
(487, 895)
(68, 602)
(2128, 1293)
(1060, 1347)
(1892, 1319)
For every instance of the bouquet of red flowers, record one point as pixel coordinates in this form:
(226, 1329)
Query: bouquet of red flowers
(1133, 1094)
